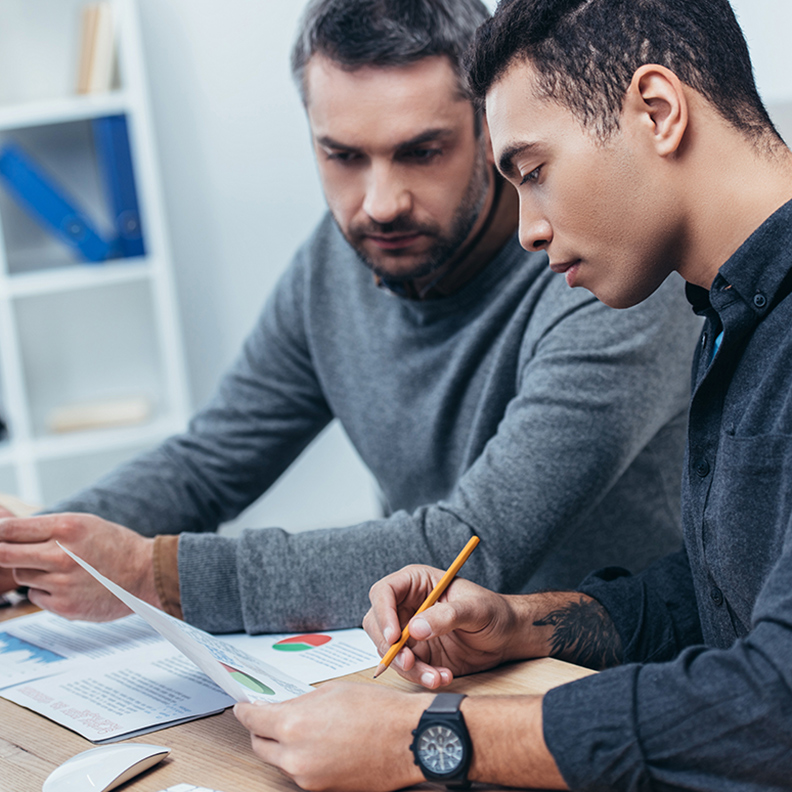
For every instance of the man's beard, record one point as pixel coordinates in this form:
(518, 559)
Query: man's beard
(445, 246)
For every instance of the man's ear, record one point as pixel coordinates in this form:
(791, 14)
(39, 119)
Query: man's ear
(656, 100)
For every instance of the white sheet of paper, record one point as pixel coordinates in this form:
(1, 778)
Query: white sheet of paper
(148, 689)
(43, 644)
(241, 676)
(311, 657)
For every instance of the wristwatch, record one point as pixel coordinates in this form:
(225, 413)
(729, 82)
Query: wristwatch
(441, 744)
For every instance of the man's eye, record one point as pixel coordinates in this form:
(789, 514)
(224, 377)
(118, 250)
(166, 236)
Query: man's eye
(532, 176)
(422, 154)
(341, 156)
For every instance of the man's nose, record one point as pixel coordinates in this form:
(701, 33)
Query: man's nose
(536, 233)
(387, 197)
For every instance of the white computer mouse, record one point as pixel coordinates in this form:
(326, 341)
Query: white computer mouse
(103, 768)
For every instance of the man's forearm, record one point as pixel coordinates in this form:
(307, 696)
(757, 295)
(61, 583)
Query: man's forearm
(508, 743)
(566, 625)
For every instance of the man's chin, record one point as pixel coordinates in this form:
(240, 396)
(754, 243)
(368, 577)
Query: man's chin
(399, 267)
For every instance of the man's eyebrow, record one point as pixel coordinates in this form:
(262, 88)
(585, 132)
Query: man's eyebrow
(426, 137)
(325, 141)
(506, 161)
(423, 137)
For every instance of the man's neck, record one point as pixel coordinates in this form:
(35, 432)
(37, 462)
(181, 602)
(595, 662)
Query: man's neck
(735, 188)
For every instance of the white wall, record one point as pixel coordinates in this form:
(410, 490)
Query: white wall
(241, 193)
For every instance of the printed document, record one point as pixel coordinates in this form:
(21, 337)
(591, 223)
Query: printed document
(112, 681)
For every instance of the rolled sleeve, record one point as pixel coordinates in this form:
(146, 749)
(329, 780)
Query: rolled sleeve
(166, 574)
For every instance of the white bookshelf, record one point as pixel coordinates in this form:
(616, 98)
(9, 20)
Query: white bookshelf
(73, 332)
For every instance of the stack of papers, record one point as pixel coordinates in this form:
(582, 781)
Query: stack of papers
(112, 681)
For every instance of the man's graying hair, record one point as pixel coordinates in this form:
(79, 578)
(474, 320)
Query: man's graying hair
(586, 51)
(356, 33)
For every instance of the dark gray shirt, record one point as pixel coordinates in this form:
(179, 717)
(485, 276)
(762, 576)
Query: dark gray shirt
(516, 409)
(718, 715)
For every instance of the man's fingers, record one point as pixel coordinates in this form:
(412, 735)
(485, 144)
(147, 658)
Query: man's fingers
(415, 670)
(270, 751)
(441, 619)
(35, 578)
(46, 556)
(257, 717)
(26, 529)
(399, 591)
(383, 620)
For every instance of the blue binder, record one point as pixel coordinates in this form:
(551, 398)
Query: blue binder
(111, 140)
(48, 203)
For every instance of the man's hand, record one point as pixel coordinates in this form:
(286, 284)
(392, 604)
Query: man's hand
(472, 629)
(343, 736)
(469, 629)
(7, 580)
(348, 737)
(58, 584)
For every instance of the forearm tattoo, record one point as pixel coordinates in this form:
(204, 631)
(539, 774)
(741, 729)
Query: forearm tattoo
(584, 634)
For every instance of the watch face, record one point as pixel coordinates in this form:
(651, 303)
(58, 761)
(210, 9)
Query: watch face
(440, 750)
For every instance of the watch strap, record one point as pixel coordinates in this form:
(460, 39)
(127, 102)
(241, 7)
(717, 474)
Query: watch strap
(445, 703)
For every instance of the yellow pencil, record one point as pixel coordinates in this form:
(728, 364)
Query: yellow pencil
(434, 595)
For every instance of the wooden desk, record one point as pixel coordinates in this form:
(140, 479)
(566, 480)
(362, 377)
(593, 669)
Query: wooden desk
(215, 751)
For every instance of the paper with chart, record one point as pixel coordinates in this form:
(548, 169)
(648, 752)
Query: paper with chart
(241, 676)
(145, 688)
(128, 696)
(117, 680)
(43, 644)
(312, 657)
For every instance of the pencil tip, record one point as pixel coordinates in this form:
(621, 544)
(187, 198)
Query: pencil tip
(380, 669)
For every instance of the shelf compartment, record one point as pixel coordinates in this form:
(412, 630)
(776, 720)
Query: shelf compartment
(74, 444)
(39, 49)
(66, 153)
(87, 346)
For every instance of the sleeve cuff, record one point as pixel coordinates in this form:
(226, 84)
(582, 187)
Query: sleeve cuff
(210, 585)
(589, 728)
(166, 574)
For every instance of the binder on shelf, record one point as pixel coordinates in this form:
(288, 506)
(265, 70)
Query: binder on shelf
(111, 140)
(49, 203)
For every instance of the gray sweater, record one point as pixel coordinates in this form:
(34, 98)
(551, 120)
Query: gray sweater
(517, 409)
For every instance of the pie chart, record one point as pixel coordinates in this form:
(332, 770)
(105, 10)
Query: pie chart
(299, 643)
(251, 683)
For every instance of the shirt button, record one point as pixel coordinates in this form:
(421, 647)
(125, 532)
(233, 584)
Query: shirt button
(760, 300)
(716, 595)
(701, 466)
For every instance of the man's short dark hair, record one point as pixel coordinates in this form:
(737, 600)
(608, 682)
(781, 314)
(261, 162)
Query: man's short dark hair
(585, 53)
(356, 33)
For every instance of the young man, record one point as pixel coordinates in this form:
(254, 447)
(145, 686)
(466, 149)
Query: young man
(638, 144)
(483, 394)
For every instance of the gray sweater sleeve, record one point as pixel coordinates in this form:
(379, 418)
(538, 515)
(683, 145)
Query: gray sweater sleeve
(590, 397)
(714, 720)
